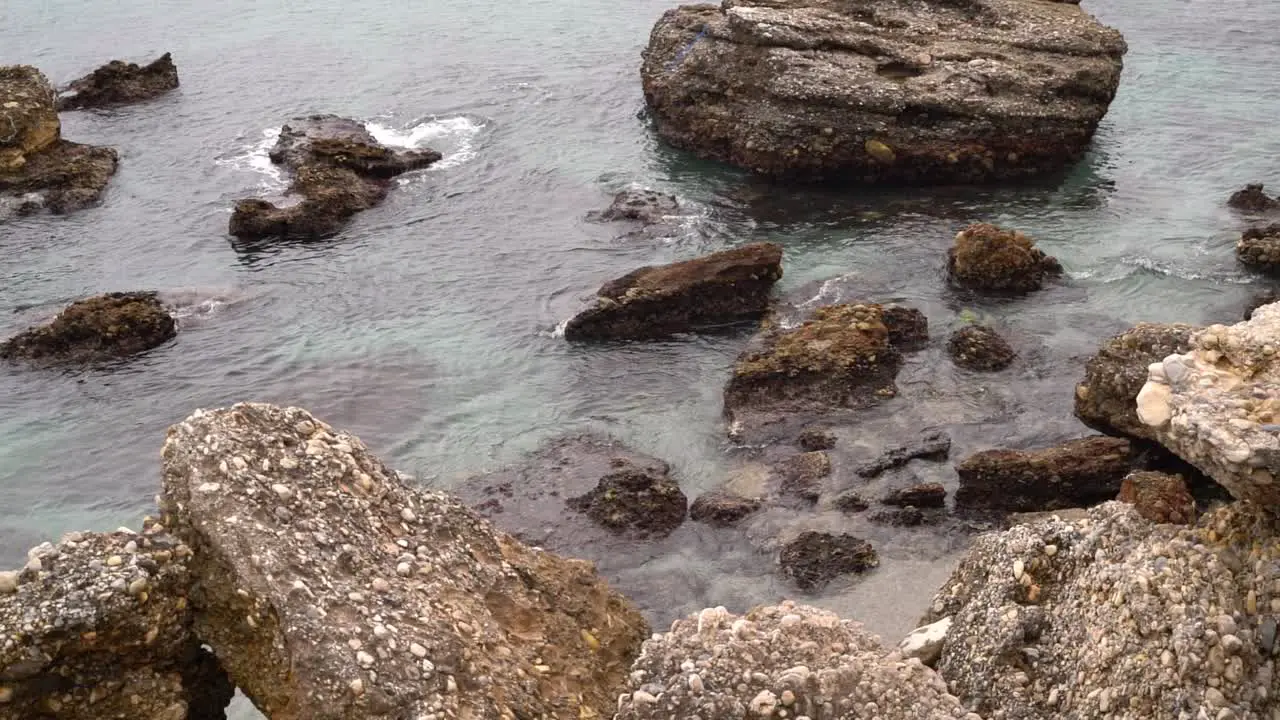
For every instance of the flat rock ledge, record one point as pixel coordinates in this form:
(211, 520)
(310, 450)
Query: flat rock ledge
(330, 590)
(1076, 473)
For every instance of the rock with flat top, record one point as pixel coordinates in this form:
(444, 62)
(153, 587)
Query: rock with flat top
(101, 328)
(120, 83)
(1106, 400)
(1081, 472)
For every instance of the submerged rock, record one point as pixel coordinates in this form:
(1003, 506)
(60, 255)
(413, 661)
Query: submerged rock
(338, 169)
(723, 509)
(934, 445)
(1259, 248)
(935, 92)
(119, 83)
(922, 495)
(801, 476)
(989, 258)
(641, 498)
(780, 661)
(1107, 398)
(1081, 472)
(104, 327)
(813, 438)
(646, 206)
(1253, 199)
(851, 501)
(814, 558)
(1158, 497)
(653, 302)
(330, 590)
(100, 626)
(978, 347)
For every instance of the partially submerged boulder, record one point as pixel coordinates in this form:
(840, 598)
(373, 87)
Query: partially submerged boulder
(1159, 497)
(100, 328)
(1253, 199)
(813, 558)
(978, 347)
(989, 258)
(633, 497)
(331, 590)
(1106, 400)
(914, 92)
(101, 626)
(1081, 472)
(1259, 248)
(657, 301)
(816, 438)
(934, 445)
(722, 508)
(338, 169)
(641, 204)
(120, 83)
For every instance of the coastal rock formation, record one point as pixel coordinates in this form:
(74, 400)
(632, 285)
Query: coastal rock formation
(653, 302)
(1259, 248)
(784, 661)
(992, 259)
(119, 83)
(1081, 472)
(922, 495)
(813, 438)
(642, 498)
(1158, 497)
(104, 327)
(928, 92)
(934, 445)
(641, 204)
(723, 509)
(1266, 297)
(100, 626)
(31, 120)
(338, 170)
(812, 559)
(1217, 406)
(1107, 398)
(800, 476)
(978, 347)
(1115, 617)
(331, 590)
(1253, 199)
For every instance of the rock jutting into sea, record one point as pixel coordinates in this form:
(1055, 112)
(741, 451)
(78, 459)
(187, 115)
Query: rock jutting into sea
(101, 328)
(120, 83)
(1259, 248)
(1106, 400)
(902, 92)
(1253, 199)
(987, 258)
(1081, 472)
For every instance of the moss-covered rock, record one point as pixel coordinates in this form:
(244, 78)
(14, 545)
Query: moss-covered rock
(105, 327)
(989, 258)
(978, 347)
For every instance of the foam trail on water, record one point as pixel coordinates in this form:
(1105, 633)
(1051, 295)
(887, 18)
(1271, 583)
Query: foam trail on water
(454, 137)
(255, 159)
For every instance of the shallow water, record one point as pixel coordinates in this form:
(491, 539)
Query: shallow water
(427, 326)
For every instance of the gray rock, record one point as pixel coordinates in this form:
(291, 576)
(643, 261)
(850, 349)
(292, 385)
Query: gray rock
(925, 642)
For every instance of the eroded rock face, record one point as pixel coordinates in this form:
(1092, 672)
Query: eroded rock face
(1158, 497)
(653, 302)
(978, 347)
(812, 559)
(1259, 248)
(787, 658)
(100, 626)
(120, 83)
(1106, 399)
(934, 445)
(331, 590)
(338, 170)
(992, 259)
(633, 497)
(1253, 199)
(896, 92)
(922, 495)
(30, 119)
(105, 327)
(1217, 406)
(1081, 472)
(641, 204)
(1112, 616)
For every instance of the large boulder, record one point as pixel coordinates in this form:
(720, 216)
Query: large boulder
(1106, 400)
(1081, 472)
(27, 108)
(331, 590)
(120, 83)
(898, 91)
(100, 328)
(784, 661)
(652, 302)
(1114, 617)
(1259, 248)
(1217, 406)
(100, 625)
(992, 259)
(338, 170)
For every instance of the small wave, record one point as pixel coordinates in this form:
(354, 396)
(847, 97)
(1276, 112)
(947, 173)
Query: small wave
(255, 159)
(1151, 266)
(454, 137)
(558, 331)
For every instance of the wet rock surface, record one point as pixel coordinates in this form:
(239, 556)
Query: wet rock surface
(633, 497)
(992, 259)
(788, 658)
(1078, 473)
(1106, 400)
(923, 495)
(100, 626)
(652, 302)
(931, 446)
(1253, 198)
(978, 347)
(813, 559)
(722, 509)
(338, 169)
(812, 439)
(120, 83)
(800, 476)
(30, 118)
(1158, 497)
(331, 590)
(929, 92)
(101, 328)
(1259, 248)
(646, 206)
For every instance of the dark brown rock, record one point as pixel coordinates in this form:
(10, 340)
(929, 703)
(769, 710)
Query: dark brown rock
(1265, 297)
(1107, 398)
(814, 559)
(646, 206)
(722, 509)
(120, 83)
(801, 475)
(908, 327)
(635, 498)
(1159, 498)
(851, 502)
(899, 516)
(653, 302)
(105, 327)
(1253, 199)
(978, 347)
(932, 446)
(812, 439)
(992, 259)
(1259, 248)
(924, 495)
(1078, 473)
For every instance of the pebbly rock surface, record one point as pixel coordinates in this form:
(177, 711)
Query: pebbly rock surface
(1106, 400)
(1253, 199)
(120, 83)
(978, 347)
(1081, 472)
(934, 445)
(993, 259)
(1159, 497)
(338, 169)
(813, 558)
(332, 591)
(1259, 248)
(784, 661)
(1114, 617)
(100, 328)
(634, 497)
(100, 626)
(653, 302)
(801, 476)
(1217, 406)
(29, 117)
(898, 92)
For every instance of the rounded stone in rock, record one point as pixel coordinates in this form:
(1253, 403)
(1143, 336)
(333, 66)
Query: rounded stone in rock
(9, 581)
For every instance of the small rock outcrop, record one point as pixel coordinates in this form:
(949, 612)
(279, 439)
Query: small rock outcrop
(931, 92)
(1158, 497)
(991, 259)
(1081, 472)
(922, 495)
(1217, 406)
(780, 661)
(29, 114)
(1106, 400)
(1253, 199)
(978, 347)
(100, 626)
(813, 438)
(338, 170)
(331, 590)
(101, 328)
(640, 498)
(1259, 248)
(723, 509)
(800, 476)
(649, 207)
(120, 83)
(653, 302)
(934, 445)
(812, 559)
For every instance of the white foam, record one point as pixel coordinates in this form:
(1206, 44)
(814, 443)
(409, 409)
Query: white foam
(558, 332)
(255, 159)
(453, 137)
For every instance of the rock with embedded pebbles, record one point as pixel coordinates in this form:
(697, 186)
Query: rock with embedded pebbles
(1259, 248)
(1106, 399)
